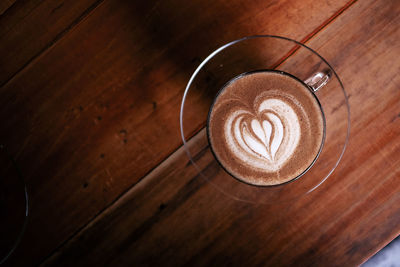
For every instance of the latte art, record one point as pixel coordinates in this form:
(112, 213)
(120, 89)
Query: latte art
(257, 138)
(265, 128)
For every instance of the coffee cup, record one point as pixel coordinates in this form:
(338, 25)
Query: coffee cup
(267, 127)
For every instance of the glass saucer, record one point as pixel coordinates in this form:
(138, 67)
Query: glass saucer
(260, 53)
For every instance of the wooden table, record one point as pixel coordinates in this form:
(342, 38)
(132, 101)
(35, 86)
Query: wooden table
(90, 96)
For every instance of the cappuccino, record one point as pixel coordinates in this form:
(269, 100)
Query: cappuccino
(265, 127)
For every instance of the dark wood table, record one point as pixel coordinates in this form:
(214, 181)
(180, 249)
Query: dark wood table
(90, 98)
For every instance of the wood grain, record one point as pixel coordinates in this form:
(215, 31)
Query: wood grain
(5, 4)
(173, 217)
(27, 28)
(98, 110)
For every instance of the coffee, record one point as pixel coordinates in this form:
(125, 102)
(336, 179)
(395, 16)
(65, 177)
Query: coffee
(265, 127)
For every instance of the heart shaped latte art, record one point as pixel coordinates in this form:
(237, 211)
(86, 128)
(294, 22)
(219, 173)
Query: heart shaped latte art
(264, 140)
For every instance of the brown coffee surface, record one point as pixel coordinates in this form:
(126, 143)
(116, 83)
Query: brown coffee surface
(265, 127)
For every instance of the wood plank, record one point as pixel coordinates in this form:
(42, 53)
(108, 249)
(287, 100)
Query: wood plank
(98, 110)
(173, 217)
(6, 4)
(30, 27)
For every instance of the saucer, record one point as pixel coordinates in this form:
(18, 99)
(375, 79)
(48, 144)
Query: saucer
(251, 54)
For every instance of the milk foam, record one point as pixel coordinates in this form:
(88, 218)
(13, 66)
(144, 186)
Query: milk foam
(263, 138)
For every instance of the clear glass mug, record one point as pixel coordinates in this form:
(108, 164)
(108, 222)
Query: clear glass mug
(313, 84)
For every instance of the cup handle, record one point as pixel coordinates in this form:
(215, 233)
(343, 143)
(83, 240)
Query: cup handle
(318, 80)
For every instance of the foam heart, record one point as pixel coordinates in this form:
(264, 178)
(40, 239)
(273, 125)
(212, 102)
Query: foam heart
(258, 138)
(265, 138)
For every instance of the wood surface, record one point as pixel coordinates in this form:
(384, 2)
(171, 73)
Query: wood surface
(186, 221)
(6, 4)
(91, 108)
(97, 110)
(28, 28)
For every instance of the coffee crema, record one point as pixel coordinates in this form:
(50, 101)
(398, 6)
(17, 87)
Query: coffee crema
(265, 127)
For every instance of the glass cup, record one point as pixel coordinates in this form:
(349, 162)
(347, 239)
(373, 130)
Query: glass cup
(256, 53)
(313, 83)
